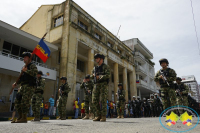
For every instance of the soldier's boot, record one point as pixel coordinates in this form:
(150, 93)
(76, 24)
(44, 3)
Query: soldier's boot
(103, 119)
(91, 116)
(97, 118)
(118, 116)
(20, 116)
(59, 118)
(86, 117)
(63, 118)
(23, 119)
(122, 116)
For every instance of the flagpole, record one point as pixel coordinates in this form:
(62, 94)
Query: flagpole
(23, 71)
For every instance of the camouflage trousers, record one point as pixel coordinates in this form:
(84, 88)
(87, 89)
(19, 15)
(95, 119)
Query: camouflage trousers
(36, 103)
(62, 106)
(88, 103)
(121, 104)
(99, 97)
(168, 97)
(23, 104)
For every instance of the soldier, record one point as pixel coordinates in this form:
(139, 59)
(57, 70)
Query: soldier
(37, 96)
(121, 101)
(27, 85)
(157, 104)
(64, 90)
(101, 76)
(88, 85)
(165, 78)
(181, 92)
(138, 107)
(152, 105)
(133, 105)
(146, 107)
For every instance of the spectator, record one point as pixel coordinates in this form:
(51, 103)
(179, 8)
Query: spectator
(114, 108)
(51, 108)
(41, 107)
(82, 109)
(111, 109)
(77, 109)
(46, 109)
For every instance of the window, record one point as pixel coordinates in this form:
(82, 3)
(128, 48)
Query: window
(127, 57)
(59, 55)
(15, 50)
(119, 51)
(113, 78)
(58, 21)
(110, 44)
(81, 24)
(80, 65)
(7, 47)
(22, 50)
(97, 36)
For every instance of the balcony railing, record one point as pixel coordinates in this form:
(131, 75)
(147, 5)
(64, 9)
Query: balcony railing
(139, 54)
(21, 59)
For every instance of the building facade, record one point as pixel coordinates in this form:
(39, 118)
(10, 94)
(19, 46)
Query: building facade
(79, 37)
(145, 71)
(191, 82)
(13, 42)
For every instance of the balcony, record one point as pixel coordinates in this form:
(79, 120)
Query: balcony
(151, 75)
(141, 71)
(12, 65)
(139, 57)
(142, 83)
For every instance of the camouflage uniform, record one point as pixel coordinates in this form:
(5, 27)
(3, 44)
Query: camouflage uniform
(183, 99)
(167, 92)
(27, 88)
(121, 102)
(37, 97)
(88, 96)
(100, 89)
(63, 100)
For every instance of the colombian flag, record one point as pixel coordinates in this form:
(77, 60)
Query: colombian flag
(42, 51)
(137, 81)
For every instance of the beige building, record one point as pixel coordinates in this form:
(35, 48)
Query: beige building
(78, 37)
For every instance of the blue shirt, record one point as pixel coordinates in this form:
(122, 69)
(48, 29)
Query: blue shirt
(51, 100)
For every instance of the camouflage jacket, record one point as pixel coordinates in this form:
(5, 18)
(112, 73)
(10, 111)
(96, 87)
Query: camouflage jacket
(40, 86)
(169, 73)
(29, 74)
(87, 86)
(103, 72)
(183, 88)
(65, 89)
(121, 94)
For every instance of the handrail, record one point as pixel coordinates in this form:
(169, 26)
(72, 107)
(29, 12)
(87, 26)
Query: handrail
(21, 59)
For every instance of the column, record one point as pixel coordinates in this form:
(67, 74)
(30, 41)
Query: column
(133, 88)
(90, 61)
(106, 60)
(125, 83)
(116, 80)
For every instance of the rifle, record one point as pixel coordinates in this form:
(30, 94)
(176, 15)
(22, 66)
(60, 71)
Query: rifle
(95, 75)
(165, 79)
(61, 90)
(86, 90)
(22, 71)
(178, 91)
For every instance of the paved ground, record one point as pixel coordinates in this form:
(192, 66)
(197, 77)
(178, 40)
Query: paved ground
(128, 125)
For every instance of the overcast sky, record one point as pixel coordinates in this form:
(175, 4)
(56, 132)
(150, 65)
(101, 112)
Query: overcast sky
(165, 27)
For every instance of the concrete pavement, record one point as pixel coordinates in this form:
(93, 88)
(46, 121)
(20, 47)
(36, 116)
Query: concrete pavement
(113, 125)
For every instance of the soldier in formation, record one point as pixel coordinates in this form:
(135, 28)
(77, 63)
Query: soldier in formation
(27, 87)
(165, 77)
(121, 101)
(88, 85)
(37, 96)
(64, 90)
(101, 76)
(181, 92)
(133, 105)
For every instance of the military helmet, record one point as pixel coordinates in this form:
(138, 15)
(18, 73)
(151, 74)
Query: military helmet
(178, 78)
(133, 96)
(163, 60)
(26, 54)
(99, 56)
(40, 72)
(138, 97)
(87, 76)
(155, 94)
(144, 98)
(120, 84)
(64, 78)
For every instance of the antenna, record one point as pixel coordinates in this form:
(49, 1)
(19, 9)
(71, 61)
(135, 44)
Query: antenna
(118, 30)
